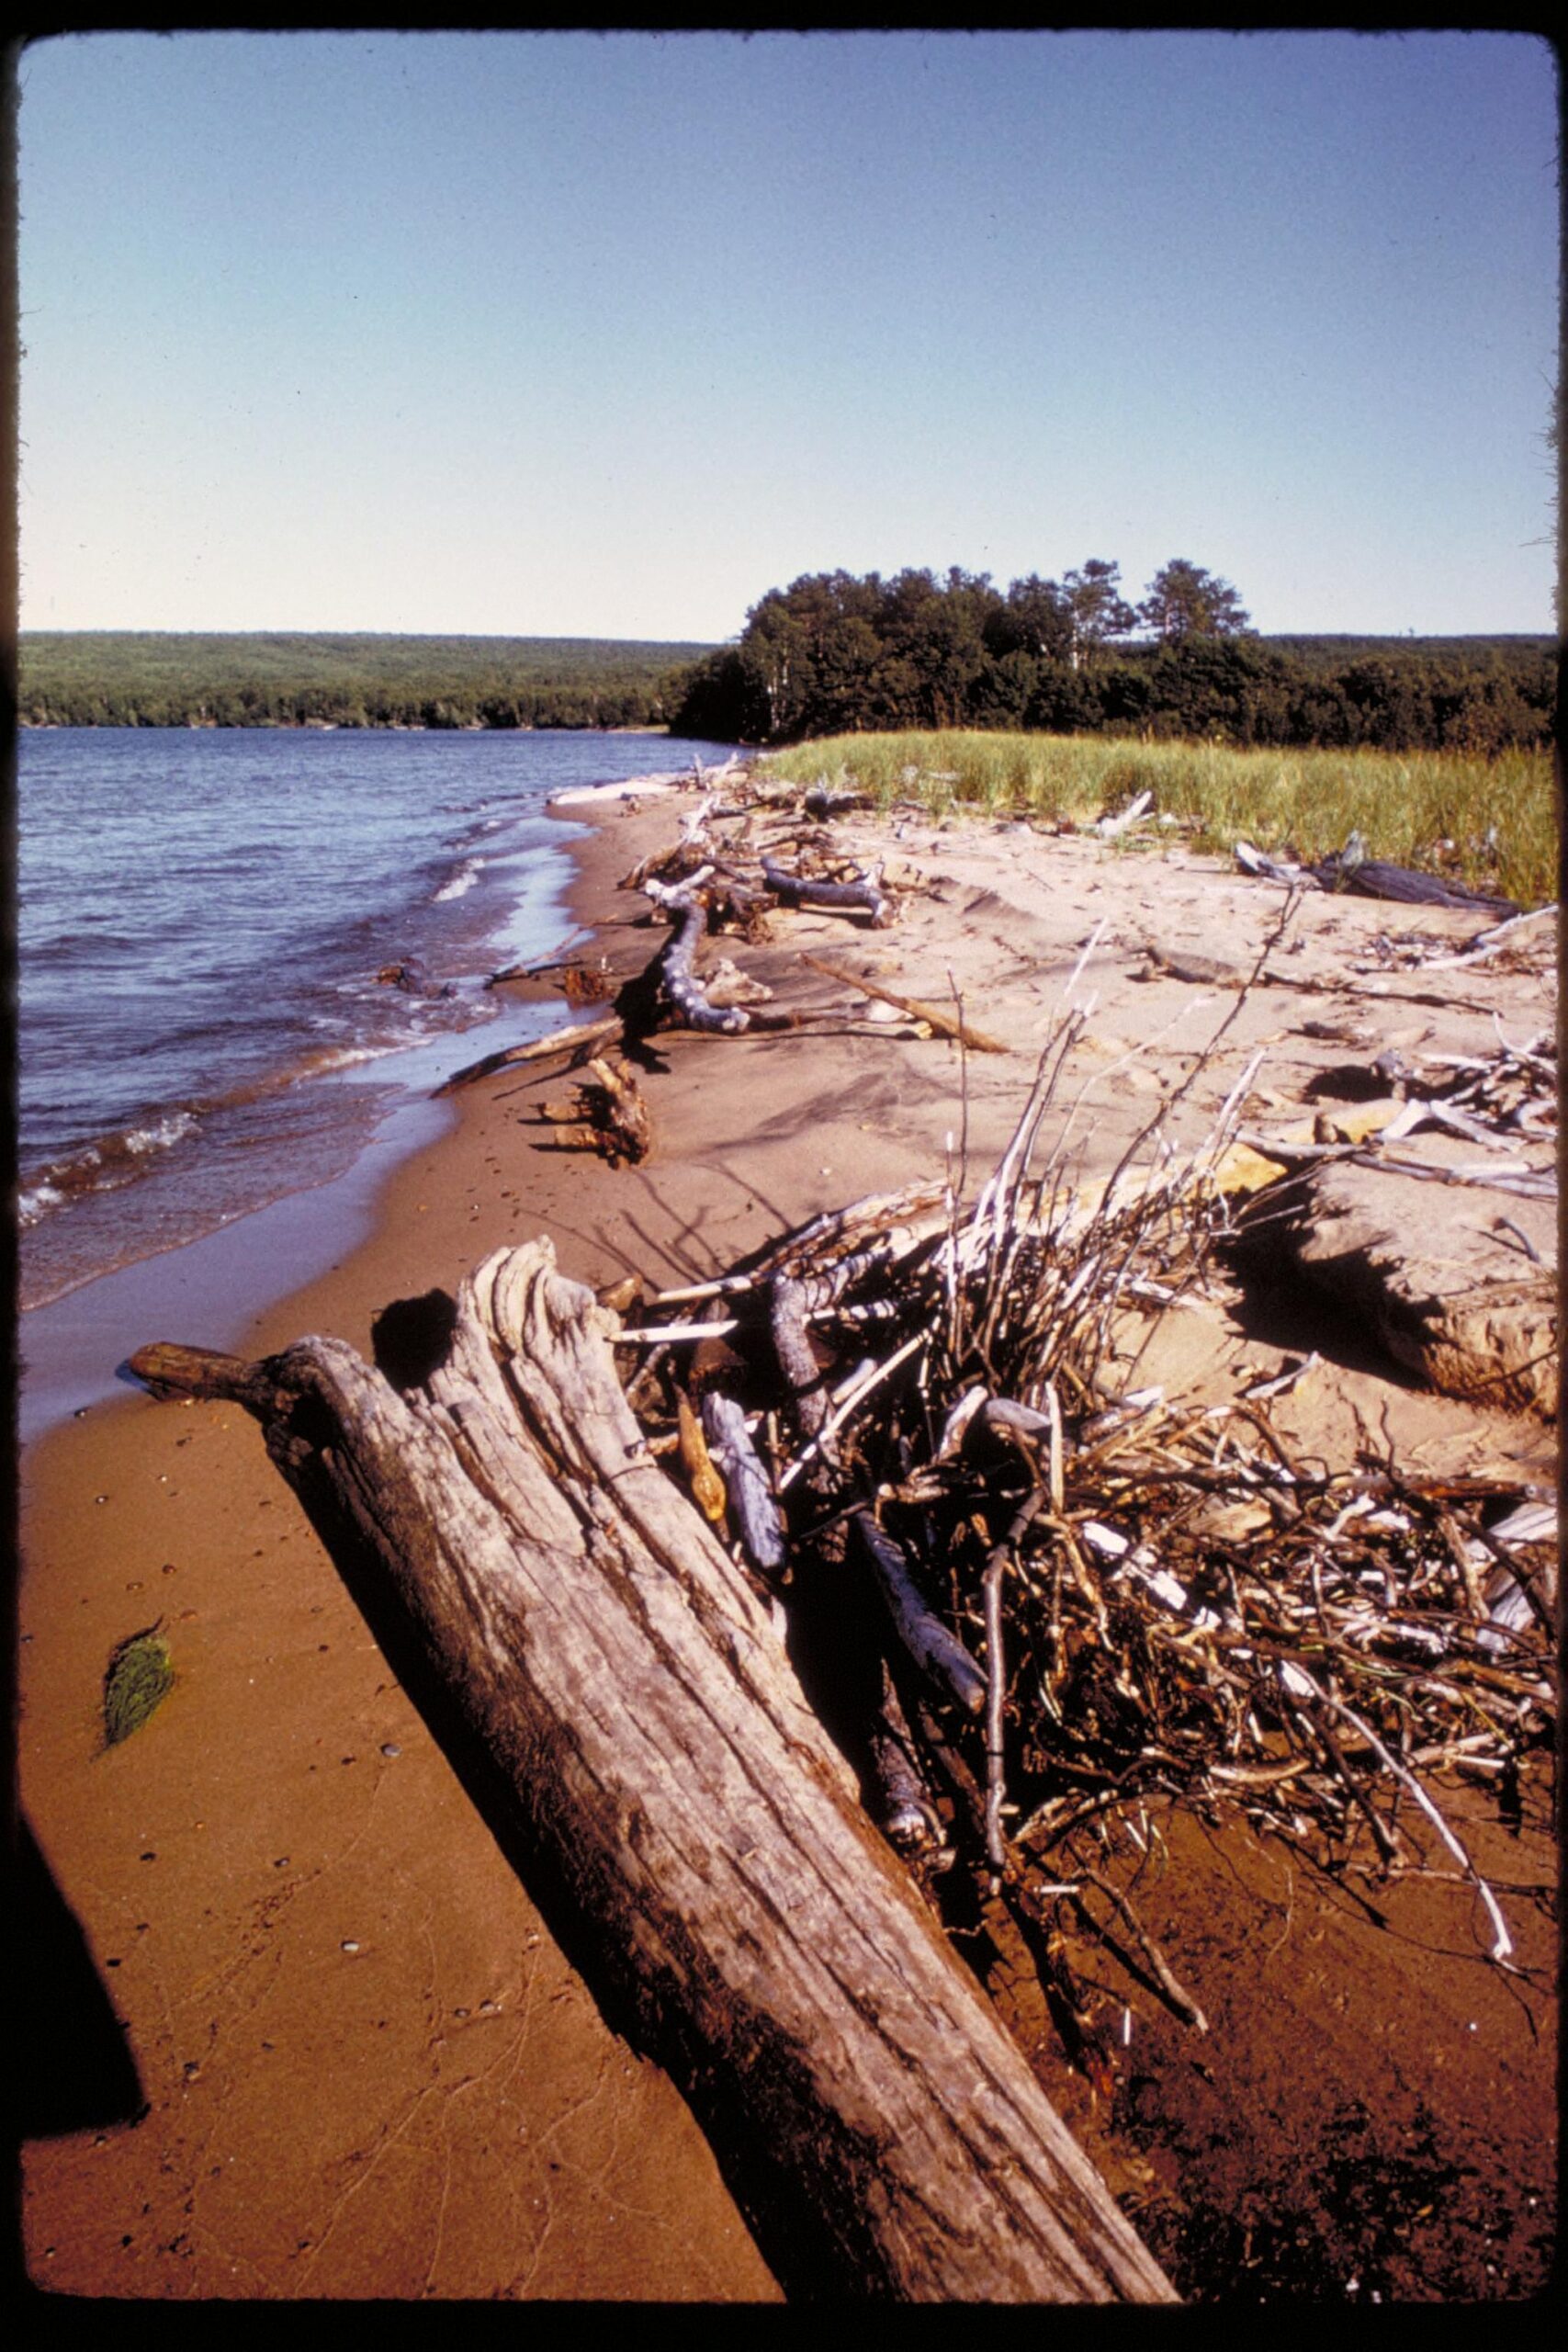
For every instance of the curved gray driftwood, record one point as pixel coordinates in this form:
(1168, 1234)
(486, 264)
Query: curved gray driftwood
(677, 972)
(804, 890)
(619, 1668)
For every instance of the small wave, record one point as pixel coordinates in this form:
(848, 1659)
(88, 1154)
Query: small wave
(316, 1061)
(161, 1133)
(99, 1166)
(460, 883)
(121, 1156)
(330, 1057)
(37, 1202)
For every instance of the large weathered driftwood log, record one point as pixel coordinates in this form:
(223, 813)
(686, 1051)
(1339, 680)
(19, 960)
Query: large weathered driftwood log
(1376, 877)
(676, 970)
(806, 891)
(884, 2133)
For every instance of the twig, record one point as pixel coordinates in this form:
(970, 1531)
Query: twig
(850, 1404)
(1174, 1992)
(1503, 1945)
(931, 1014)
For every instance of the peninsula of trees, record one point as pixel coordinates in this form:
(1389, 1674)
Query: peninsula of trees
(833, 654)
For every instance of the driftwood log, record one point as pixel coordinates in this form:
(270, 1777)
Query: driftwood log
(864, 895)
(675, 968)
(1375, 877)
(575, 1040)
(607, 1114)
(882, 2130)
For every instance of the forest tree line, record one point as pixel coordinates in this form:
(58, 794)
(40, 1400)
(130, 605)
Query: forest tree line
(146, 678)
(835, 654)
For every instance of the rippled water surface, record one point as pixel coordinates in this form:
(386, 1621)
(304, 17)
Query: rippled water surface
(203, 918)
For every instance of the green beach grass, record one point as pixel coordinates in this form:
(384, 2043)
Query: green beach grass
(1489, 821)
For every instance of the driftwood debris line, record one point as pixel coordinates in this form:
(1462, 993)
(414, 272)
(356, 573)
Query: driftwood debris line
(886, 2134)
(1172, 1609)
(996, 1483)
(689, 884)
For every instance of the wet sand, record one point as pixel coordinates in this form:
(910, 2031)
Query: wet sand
(300, 2025)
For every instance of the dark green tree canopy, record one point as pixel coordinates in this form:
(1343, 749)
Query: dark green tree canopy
(1099, 611)
(1035, 618)
(835, 655)
(1186, 601)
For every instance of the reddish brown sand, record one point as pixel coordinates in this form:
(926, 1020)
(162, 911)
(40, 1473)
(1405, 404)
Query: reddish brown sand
(297, 2026)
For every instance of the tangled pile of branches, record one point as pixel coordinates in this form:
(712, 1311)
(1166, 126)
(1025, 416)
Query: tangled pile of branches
(1048, 1603)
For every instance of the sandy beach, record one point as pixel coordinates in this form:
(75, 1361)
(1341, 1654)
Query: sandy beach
(301, 2027)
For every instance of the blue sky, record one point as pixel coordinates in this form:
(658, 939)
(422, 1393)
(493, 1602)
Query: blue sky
(605, 336)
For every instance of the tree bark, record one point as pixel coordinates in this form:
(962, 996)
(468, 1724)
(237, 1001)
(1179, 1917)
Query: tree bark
(884, 2133)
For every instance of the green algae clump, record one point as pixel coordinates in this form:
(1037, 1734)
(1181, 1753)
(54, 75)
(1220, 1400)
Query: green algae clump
(139, 1678)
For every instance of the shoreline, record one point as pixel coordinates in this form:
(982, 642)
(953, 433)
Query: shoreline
(210, 1778)
(222, 1278)
(364, 2066)
(215, 1074)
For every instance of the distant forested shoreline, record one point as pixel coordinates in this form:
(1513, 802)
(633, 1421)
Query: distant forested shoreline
(833, 654)
(277, 678)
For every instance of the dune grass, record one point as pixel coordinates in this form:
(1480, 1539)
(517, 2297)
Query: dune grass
(1489, 821)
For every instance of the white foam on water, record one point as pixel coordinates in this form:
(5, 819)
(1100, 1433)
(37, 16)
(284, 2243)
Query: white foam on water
(37, 1202)
(98, 1166)
(461, 883)
(161, 1133)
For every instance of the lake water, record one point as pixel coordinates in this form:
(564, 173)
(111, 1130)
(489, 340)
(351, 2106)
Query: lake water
(202, 917)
